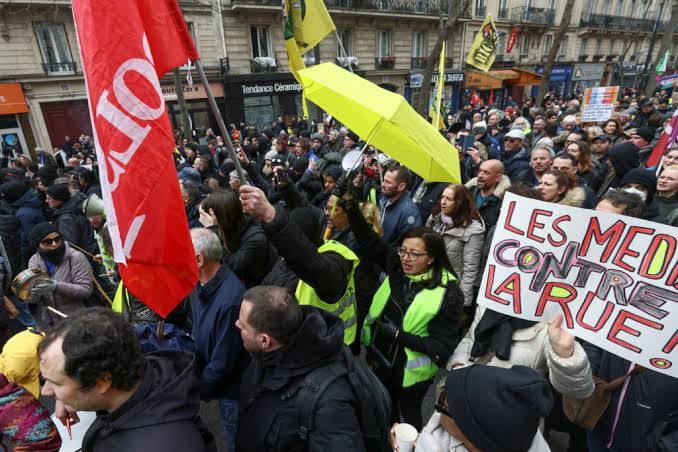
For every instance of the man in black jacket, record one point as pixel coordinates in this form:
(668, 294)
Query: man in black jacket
(287, 342)
(69, 219)
(92, 362)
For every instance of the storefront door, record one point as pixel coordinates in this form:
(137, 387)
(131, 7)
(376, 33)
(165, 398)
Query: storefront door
(13, 141)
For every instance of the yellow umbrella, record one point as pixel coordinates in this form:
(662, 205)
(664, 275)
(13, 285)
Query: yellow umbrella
(384, 119)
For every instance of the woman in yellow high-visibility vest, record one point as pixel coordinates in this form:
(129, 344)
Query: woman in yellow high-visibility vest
(413, 324)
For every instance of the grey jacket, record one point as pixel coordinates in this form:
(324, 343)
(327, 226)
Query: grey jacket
(74, 283)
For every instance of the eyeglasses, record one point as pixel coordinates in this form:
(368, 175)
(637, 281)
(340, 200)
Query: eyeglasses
(48, 242)
(414, 255)
(440, 405)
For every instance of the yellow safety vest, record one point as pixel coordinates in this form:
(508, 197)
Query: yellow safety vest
(426, 304)
(345, 308)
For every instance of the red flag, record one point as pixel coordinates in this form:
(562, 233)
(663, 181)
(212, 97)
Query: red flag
(667, 138)
(475, 98)
(512, 40)
(126, 46)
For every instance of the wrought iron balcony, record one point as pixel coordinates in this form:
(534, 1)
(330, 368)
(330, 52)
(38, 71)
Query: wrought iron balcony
(385, 62)
(622, 23)
(503, 13)
(263, 64)
(533, 16)
(423, 7)
(419, 62)
(52, 68)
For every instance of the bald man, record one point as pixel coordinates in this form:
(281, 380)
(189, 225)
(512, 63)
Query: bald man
(488, 190)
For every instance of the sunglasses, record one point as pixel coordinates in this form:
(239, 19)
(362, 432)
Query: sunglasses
(440, 405)
(510, 140)
(48, 242)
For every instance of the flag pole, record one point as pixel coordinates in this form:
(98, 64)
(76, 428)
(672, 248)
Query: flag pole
(343, 50)
(220, 122)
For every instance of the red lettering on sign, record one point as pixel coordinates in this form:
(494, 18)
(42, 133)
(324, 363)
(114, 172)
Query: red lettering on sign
(619, 325)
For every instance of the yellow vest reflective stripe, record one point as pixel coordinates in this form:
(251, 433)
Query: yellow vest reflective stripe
(345, 308)
(425, 306)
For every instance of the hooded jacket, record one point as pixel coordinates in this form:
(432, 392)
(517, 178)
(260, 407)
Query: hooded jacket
(516, 162)
(161, 415)
(623, 158)
(28, 210)
(254, 257)
(74, 226)
(267, 419)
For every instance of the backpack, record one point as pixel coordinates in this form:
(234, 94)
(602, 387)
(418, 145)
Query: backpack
(374, 401)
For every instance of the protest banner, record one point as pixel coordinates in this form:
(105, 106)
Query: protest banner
(613, 278)
(599, 103)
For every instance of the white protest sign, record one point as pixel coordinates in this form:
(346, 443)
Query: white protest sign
(614, 278)
(599, 103)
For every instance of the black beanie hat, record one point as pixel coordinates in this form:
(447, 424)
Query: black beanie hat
(39, 231)
(646, 133)
(644, 177)
(300, 165)
(11, 191)
(498, 409)
(47, 174)
(59, 192)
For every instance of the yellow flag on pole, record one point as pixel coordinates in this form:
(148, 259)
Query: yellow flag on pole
(484, 47)
(434, 109)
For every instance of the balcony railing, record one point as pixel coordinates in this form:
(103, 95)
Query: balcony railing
(503, 13)
(619, 22)
(424, 7)
(52, 68)
(480, 11)
(582, 58)
(345, 61)
(385, 62)
(263, 64)
(534, 16)
(419, 62)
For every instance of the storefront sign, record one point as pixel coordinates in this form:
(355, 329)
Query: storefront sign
(12, 99)
(197, 91)
(629, 70)
(588, 72)
(558, 73)
(474, 79)
(269, 88)
(450, 77)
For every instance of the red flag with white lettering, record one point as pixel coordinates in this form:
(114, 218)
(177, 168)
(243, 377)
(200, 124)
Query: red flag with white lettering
(512, 40)
(126, 46)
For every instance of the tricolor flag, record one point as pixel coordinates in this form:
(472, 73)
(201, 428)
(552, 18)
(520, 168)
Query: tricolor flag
(667, 139)
(126, 47)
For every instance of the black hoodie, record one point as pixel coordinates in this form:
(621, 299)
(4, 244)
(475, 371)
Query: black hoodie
(161, 415)
(267, 419)
(74, 225)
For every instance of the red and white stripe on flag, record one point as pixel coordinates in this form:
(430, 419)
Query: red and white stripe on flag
(666, 139)
(126, 46)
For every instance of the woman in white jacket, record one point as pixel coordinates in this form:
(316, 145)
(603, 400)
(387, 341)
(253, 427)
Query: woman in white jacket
(461, 227)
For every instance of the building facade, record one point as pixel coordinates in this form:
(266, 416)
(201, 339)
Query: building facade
(386, 41)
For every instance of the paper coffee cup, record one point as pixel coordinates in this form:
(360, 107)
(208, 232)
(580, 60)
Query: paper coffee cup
(405, 437)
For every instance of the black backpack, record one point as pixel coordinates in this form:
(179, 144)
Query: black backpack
(374, 401)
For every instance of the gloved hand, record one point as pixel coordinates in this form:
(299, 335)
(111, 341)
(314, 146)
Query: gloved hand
(388, 329)
(44, 288)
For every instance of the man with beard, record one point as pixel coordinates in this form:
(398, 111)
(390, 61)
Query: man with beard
(488, 190)
(70, 282)
(399, 213)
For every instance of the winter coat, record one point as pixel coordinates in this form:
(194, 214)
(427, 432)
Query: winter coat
(74, 279)
(650, 399)
(464, 247)
(25, 425)
(528, 348)
(161, 415)
(434, 438)
(667, 208)
(10, 232)
(28, 210)
(193, 215)
(254, 257)
(267, 420)
(489, 210)
(574, 197)
(221, 358)
(528, 178)
(515, 163)
(398, 217)
(74, 225)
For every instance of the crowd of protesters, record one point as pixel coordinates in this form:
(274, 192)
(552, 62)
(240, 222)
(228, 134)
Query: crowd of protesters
(330, 296)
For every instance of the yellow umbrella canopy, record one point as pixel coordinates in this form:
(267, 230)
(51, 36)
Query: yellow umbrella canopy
(384, 119)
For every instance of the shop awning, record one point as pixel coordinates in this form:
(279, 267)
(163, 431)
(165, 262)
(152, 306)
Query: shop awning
(12, 99)
(494, 79)
(480, 80)
(524, 78)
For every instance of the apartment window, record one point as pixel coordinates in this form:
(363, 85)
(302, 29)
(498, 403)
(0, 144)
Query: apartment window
(552, 4)
(383, 43)
(418, 44)
(599, 44)
(606, 7)
(562, 50)
(548, 39)
(611, 48)
(584, 45)
(503, 9)
(480, 8)
(261, 42)
(620, 7)
(56, 53)
(346, 36)
(501, 42)
(592, 8)
(524, 46)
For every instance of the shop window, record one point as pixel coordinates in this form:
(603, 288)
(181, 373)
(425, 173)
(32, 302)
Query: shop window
(261, 42)
(383, 43)
(260, 110)
(56, 53)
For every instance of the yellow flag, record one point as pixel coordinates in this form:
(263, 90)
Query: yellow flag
(434, 109)
(484, 46)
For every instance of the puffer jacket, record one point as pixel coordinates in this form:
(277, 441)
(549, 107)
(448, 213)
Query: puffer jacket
(74, 282)
(528, 348)
(464, 247)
